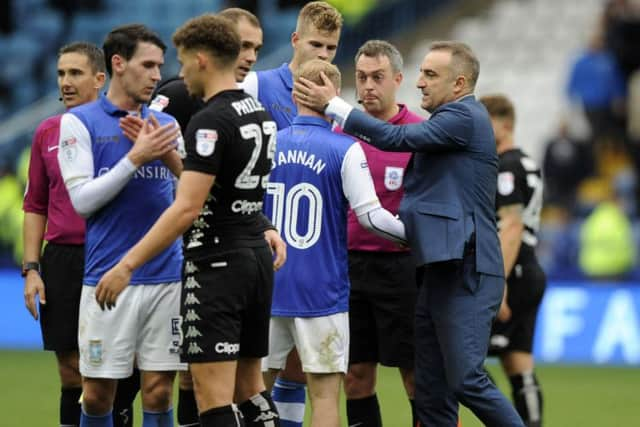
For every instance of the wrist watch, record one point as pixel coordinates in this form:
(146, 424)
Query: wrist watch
(26, 266)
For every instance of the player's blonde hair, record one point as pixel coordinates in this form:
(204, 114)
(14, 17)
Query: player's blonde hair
(319, 15)
(311, 70)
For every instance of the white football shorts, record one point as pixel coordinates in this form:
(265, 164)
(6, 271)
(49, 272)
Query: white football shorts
(144, 326)
(322, 342)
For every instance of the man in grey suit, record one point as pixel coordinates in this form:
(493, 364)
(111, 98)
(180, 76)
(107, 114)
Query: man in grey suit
(448, 212)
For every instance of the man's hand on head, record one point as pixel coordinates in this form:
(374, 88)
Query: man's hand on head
(312, 95)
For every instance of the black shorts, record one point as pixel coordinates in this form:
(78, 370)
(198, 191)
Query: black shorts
(526, 286)
(226, 305)
(382, 308)
(62, 272)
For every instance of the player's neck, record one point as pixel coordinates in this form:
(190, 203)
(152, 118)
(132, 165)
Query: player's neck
(118, 97)
(304, 111)
(505, 145)
(388, 113)
(218, 83)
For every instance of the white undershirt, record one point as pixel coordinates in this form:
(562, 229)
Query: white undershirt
(360, 191)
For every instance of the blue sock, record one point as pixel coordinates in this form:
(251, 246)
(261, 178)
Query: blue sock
(105, 420)
(289, 398)
(157, 419)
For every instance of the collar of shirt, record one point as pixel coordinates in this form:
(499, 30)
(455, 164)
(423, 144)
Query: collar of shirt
(402, 112)
(112, 110)
(311, 121)
(286, 76)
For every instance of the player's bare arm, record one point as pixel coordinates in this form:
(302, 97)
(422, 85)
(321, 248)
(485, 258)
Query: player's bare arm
(193, 189)
(278, 247)
(34, 227)
(511, 228)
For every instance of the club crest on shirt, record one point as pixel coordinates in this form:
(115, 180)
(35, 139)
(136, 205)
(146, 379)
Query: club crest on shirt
(393, 177)
(206, 141)
(506, 183)
(159, 103)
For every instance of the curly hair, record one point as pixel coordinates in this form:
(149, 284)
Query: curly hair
(211, 33)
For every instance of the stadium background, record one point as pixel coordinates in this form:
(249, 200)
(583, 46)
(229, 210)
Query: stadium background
(588, 338)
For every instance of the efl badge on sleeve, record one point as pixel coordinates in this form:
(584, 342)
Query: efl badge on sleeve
(206, 141)
(506, 183)
(159, 103)
(95, 352)
(69, 148)
(393, 177)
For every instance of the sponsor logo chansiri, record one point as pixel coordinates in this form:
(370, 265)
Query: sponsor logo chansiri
(227, 348)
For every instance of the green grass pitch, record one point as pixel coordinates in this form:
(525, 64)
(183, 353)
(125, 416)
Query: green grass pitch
(575, 396)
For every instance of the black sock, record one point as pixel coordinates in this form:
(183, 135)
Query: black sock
(260, 410)
(414, 414)
(365, 411)
(69, 406)
(187, 408)
(125, 395)
(222, 416)
(527, 398)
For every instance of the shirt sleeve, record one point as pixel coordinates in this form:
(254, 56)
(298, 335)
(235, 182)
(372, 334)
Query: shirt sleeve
(357, 182)
(205, 140)
(450, 128)
(87, 194)
(36, 196)
(509, 191)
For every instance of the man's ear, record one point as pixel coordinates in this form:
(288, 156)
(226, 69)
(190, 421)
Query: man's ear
(100, 78)
(118, 63)
(398, 78)
(202, 59)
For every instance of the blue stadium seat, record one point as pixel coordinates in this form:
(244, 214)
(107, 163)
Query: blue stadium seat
(25, 93)
(23, 51)
(46, 26)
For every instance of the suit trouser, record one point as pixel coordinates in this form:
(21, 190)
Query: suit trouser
(454, 311)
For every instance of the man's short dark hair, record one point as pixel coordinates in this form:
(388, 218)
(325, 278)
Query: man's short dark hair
(236, 13)
(212, 33)
(123, 41)
(463, 61)
(376, 48)
(91, 51)
(500, 107)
